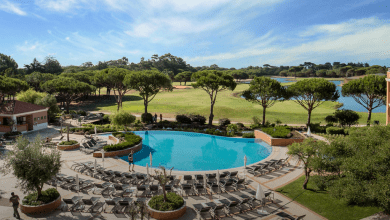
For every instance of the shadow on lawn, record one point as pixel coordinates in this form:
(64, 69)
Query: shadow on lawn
(93, 102)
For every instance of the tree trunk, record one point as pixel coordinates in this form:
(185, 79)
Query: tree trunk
(146, 105)
(369, 115)
(180, 82)
(264, 108)
(211, 114)
(67, 106)
(164, 193)
(39, 190)
(99, 91)
(308, 117)
(185, 82)
(307, 175)
(67, 133)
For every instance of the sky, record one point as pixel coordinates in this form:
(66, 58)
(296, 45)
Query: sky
(202, 32)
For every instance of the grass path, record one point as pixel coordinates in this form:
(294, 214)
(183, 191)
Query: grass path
(197, 101)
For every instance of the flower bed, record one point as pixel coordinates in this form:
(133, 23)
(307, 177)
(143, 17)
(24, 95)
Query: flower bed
(131, 140)
(135, 148)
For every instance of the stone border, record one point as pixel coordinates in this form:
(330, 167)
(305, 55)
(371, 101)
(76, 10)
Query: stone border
(42, 209)
(167, 215)
(135, 148)
(276, 141)
(68, 147)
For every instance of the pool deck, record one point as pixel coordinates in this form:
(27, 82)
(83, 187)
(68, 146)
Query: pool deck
(271, 181)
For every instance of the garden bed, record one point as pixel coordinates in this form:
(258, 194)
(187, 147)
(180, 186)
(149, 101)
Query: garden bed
(295, 138)
(126, 151)
(51, 199)
(68, 145)
(175, 202)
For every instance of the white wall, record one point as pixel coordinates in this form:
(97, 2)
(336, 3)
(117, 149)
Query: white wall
(40, 126)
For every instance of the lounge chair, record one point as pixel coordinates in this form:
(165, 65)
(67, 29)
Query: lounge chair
(211, 177)
(94, 205)
(213, 187)
(199, 188)
(153, 190)
(239, 182)
(232, 175)
(143, 189)
(224, 184)
(230, 205)
(187, 188)
(201, 210)
(118, 190)
(217, 209)
(188, 179)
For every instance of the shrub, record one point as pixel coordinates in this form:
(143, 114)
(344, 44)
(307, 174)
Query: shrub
(278, 121)
(330, 119)
(255, 126)
(106, 119)
(256, 120)
(240, 125)
(317, 128)
(232, 129)
(183, 119)
(277, 132)
(174, 202)
(146, 117)
(248, 135)
(13, 133)
(198, 118)
(347, 117)
(71, 142)
(335, 130)
(320, 182)
(82, 113)
(47, 196)
(224, 121)
(131, 140)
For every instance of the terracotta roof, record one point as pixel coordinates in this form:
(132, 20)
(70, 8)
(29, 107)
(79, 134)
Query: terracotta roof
(16, 107)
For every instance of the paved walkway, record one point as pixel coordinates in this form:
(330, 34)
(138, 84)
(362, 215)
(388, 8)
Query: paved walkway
(281, 207)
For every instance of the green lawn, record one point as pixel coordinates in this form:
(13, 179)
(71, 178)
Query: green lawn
(197, 101)
(322, 203)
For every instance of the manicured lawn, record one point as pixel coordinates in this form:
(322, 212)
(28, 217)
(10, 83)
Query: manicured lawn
(197, 101)
(324, 204)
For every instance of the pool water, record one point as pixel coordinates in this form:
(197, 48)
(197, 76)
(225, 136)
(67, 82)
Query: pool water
(188, 151)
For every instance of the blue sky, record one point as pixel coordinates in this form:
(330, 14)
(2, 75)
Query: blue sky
(204, 32)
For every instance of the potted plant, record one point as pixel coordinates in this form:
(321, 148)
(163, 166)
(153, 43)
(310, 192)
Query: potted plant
(33, 165)
(167, 205)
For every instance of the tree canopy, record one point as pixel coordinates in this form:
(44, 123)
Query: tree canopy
(148, 83)
(311, 93)
(35, 79)
(265, 92)
(213, 81)
(369, 91)
(32, 164)
(7, 62)
(67, 89)
(114, 78)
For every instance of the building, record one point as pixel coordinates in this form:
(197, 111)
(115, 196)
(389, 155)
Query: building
(388, 98)
(22, 116)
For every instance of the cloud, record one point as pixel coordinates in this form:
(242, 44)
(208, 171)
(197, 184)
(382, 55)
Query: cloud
(345, 41)
(58, 5)
(11, 8)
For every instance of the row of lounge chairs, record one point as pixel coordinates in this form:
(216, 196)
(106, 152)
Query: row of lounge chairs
(92, 145)
(241, 201)
(267, 166)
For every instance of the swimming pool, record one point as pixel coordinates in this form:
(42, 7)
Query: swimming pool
(188, 151)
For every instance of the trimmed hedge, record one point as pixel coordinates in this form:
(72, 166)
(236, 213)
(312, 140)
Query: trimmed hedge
(71, 142)
(13, 133)
(174, 202)
(198, 118)
(131, 140)
(47, 196)
(280, 132)
(248, 135)
(335, 130)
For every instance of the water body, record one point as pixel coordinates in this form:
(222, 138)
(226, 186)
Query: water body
(349, 102)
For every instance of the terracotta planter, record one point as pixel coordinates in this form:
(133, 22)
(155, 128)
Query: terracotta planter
(42, 209)
(68, 147)
(165, 215)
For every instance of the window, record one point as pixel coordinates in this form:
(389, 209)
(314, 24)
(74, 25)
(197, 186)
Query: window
(42, 118)
(21, 120)
(35, 119)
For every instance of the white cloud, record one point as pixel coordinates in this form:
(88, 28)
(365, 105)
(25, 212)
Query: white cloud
(11, 8)
(67, 38)
(58, 5)
(49, 31)
(345, 42)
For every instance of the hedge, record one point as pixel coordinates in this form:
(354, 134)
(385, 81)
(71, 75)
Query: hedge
(130, 140)
(71, 142)
(183, 119)
(335, 130)
(174, 202)
(248, 135)
(47, 196)
(280, 132)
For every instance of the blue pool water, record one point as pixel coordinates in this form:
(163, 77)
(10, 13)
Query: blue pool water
(188, 151)
(349, 102)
